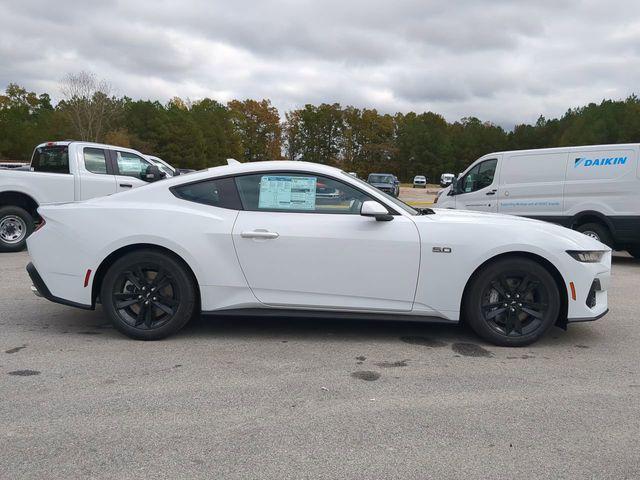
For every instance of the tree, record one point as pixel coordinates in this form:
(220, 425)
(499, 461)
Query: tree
(88, 104)
(257, 125)
(314, 134)
(221, 138)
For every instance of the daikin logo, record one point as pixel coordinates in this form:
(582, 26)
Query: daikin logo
(599, 162)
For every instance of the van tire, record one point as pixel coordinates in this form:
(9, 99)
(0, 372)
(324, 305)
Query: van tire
(634, 252)
(597, 231)
(16, 224)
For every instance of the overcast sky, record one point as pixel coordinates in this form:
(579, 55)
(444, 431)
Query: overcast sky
(502, 61)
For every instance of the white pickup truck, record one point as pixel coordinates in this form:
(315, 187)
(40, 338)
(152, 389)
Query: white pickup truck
(66, 172)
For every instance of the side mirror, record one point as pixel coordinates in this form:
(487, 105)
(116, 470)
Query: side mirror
(153, 173)
(454, 187)
(376, 210)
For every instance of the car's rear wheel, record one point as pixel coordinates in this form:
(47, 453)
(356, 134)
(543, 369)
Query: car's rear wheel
(148, 295)
(16, 224)
(634, 251)
(512, 302)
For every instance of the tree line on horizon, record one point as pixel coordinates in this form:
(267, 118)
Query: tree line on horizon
(204, 133)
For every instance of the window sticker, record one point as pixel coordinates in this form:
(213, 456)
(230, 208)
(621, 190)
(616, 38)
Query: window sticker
(287, 193)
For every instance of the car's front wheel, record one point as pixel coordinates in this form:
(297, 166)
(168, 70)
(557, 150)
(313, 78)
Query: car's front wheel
(512, 302)
(148, 295)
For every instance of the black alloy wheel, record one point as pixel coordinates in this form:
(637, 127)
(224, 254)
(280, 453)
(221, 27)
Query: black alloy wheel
(148, 295)
(513, 302)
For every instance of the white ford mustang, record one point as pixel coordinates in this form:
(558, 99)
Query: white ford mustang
(257, 238)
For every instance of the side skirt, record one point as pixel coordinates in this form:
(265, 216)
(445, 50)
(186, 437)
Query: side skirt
(327, 314)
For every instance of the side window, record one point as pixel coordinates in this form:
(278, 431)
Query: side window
(217, 193)
(95, 160)
(480, 176)
(298, 192)
(131, 165)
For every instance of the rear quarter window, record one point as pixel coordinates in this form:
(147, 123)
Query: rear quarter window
(51, 159)
(220, 193)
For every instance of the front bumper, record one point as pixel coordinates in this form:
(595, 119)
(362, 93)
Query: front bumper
(40, 289)
(591, 292)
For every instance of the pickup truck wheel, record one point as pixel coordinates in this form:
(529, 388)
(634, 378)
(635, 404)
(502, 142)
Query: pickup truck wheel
(16, 224)
(512, 302)
(148, 295)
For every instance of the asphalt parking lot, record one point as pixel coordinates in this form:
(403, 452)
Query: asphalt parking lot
(275, 398)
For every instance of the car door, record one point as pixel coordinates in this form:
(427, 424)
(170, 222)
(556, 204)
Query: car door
(477, 189)
(298, 249)
(97, 179)
(130, 169)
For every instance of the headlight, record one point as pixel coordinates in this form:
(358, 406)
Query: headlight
(587, 256)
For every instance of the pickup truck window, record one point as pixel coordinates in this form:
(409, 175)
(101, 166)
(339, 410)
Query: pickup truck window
(51, 159)
(131, 165)
(95, 160)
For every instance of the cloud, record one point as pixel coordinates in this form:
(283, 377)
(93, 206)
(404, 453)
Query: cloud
(503, 61)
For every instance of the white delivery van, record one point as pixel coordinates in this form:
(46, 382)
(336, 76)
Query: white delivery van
(593, 189)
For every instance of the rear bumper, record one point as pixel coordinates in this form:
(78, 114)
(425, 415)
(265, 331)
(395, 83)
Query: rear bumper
(41, 290)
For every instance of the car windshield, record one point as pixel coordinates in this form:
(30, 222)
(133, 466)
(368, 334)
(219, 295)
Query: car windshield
(380, 179)
(397, 202)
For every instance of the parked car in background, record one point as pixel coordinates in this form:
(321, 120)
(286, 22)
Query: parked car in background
(593, 189)
(419, 181)
(386, 182)
(14, 165)
(253, 239)
(66, 172)
(446, 179)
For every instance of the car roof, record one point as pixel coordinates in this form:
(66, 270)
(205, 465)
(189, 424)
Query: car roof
(247, 168)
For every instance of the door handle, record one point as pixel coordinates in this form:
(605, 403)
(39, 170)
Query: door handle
(259, 233)
(492, 192)
(126, 185)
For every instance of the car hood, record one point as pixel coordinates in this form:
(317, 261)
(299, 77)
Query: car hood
(572, 238)
(378, 185)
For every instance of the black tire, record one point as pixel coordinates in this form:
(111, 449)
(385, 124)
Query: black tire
(155, 278)
(634, 252)
(16, 224)
(531, 297)
(597, 231)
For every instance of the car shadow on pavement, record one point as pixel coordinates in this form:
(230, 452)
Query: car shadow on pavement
(96, 325)
(352, 330)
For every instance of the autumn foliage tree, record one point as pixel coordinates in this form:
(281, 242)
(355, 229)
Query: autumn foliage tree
(257, 125)
(205, 132)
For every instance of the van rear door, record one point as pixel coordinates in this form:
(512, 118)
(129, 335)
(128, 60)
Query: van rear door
(531, 184)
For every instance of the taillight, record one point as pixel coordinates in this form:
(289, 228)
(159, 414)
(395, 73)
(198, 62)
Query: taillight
(40, 225)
